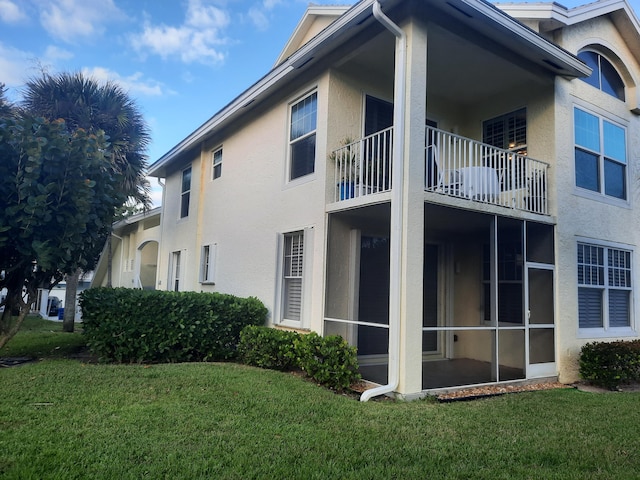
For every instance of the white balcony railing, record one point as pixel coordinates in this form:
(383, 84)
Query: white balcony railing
(454, 166)
(363, 167)
(461, 167)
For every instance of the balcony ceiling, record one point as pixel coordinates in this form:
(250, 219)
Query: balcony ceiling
(458, 70)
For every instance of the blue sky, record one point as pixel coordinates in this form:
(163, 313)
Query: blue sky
(182, 60)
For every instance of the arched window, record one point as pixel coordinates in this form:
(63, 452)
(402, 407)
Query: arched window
(604, 76)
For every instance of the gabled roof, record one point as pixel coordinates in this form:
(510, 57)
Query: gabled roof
(315, 19)
(552, 15)
(477, 15)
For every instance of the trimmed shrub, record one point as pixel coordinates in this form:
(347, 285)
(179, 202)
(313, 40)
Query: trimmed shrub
(610, 364)
(330, 360)
(266, 347)
(126, 325)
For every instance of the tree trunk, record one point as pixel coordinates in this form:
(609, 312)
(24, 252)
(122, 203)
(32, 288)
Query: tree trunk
(70, 301)
(9, 325)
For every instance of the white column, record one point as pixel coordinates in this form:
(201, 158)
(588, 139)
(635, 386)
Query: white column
(413, 212)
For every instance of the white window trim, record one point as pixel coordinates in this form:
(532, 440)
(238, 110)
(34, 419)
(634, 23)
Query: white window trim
(609, 332)
(208, 269)
(311, 176)
(614, 119)
(307, 268)
(181, 273)
(214, 164)
(180, 217)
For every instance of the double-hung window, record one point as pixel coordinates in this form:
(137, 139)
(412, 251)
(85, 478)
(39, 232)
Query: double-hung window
(175, 273)
(293, 255)
(185, 192)
(302, 136)
(216, 163)
(600, 155)
(208, 264)
(604, 287)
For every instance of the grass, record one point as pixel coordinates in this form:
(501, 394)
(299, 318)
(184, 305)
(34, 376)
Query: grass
(63, 419)
(39, 338)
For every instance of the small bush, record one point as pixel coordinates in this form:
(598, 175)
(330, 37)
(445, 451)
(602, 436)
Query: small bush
(328, 360)
(126, 325)
(267, 347)
(610, 364)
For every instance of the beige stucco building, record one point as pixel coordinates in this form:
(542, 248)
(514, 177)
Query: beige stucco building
(452, 186)
(130, 258)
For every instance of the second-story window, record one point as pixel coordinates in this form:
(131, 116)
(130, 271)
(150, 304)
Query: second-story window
(185, 192)
(302, 136)
(507, 131)
(604, 76)
(216, 163)
(600, 155)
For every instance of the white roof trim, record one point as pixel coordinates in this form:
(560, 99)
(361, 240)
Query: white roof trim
(355, 14)
(313, 11)
(568, 16)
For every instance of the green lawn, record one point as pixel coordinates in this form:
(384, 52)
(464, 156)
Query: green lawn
(63, 419)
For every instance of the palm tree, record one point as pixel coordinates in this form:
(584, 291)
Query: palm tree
(83, 103)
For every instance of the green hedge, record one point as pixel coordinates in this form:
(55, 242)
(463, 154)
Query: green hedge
(330, 361)
(610, 364)
(267, 348)
(126, 325)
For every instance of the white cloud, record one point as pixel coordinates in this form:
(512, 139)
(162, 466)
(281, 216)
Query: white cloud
(135, 84)
(10, 12)
(259, 18)
(53, 53)
(73, 21)
(14, 64)
(197, 39)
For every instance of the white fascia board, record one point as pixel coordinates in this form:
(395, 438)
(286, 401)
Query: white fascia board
(355, 15)
(275, 76)
(570, 61)
(313, 11)
(567, 16)
(537, 11)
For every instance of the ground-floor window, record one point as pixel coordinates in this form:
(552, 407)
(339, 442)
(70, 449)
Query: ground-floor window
(174, 279)
(293, 269)
(604, 287)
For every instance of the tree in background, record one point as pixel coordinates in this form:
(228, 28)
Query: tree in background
(85, 104)
(59, 198)
(71, 155)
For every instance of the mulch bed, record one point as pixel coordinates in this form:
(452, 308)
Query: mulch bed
(494, 390)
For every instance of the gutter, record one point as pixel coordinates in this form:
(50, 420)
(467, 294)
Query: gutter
(397, 207)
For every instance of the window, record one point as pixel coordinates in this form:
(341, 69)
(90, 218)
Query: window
(302, 136)
(604, 76)
(292, 276)
(216, 161)
(604, 287)
(507, 131)
(600, 155)
(208, 262)
(185, 192)
(174, 279)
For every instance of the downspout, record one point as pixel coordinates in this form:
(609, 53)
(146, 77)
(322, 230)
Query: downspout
(397, 208)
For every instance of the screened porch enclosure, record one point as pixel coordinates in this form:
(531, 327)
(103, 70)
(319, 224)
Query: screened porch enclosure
(488, 307)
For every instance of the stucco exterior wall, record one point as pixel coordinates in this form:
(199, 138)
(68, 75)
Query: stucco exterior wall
(580, 214)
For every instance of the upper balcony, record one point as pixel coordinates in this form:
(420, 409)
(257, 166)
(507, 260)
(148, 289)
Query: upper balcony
(455, 166)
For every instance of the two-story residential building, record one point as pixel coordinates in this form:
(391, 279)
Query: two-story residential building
(130, 256)
(450, 185)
